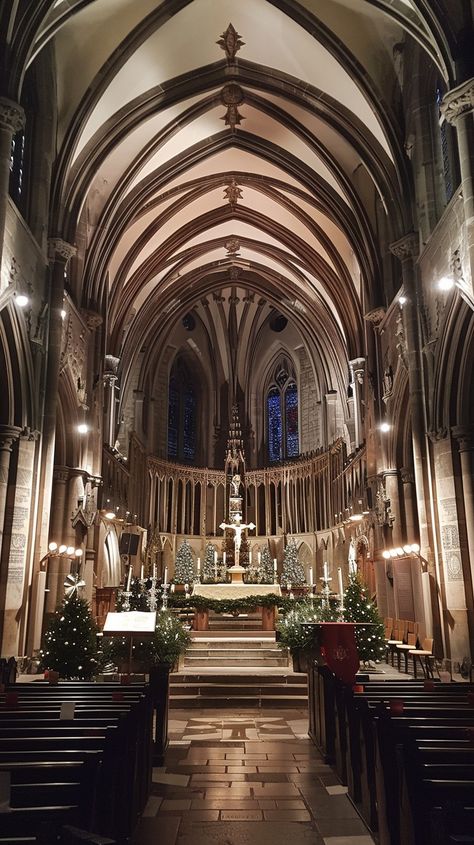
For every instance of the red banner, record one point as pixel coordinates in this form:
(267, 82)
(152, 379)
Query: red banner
(338, 647)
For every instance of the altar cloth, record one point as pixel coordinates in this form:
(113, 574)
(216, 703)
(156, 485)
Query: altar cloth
(235, 591)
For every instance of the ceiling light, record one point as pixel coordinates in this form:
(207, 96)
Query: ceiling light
(63, 313)
(83, 428)
(446, 283)
(384, 427)
(402, 300)
(109, 515)
(22, 301)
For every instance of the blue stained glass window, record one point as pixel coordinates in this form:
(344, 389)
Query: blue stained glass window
(274, 424)
(189, 425)
(173, 419)
(291, 411)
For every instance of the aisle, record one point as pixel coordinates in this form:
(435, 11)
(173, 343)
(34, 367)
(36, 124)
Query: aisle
(235, 779)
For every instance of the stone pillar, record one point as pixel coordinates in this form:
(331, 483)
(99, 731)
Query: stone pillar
(458, 109)
(16, 550)
(391, 483)
(8, 435)
(465, 438)
(406, 250)
(110, 381)
(411, 527)
(60, 253)
(357, 372)
(12, 119)
(331, 416)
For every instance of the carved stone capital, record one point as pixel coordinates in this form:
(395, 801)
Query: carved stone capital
(458, 102)
(407, 476)
(8, 435)
(406, 248)
(375, 316)
(61, 475)
(59, 250)
(92, 319)
(437, 434)
(464, 434)
(12, 116)
(389, 472)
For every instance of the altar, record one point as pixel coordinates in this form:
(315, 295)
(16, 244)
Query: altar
(224, 592)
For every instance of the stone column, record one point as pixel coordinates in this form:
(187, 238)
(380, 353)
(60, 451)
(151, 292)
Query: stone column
(12, 119)
(110, 380)
(465, 438)
(391, 479)
(8, 435)
(358, 371)
(458, 109)
(406, 250)
(60, 253)
(411, 527)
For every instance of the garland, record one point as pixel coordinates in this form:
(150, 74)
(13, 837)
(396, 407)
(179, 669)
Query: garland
(200, 603)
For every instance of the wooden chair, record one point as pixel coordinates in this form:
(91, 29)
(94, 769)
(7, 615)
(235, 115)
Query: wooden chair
(405, 649)
(396, 639)
(424, 655)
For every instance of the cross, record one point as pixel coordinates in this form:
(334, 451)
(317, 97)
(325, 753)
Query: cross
(237, 526)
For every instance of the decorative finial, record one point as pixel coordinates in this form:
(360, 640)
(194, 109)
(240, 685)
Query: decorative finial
(231, 42)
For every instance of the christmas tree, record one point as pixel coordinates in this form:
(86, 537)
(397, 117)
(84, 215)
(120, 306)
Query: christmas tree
(70, 642)
(209, 567)
(358, 607)
(266, 567)
(184, 564)
(293, 570)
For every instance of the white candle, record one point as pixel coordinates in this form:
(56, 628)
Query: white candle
(199, 564)
(165, 580)
(250, 557)
(274, 564)
(215, 556)
(326, 574)
(129, 579)
(172, 588)
(223, 558)
(339, 581)
(259, 558)
(141, 572)
(311, 577)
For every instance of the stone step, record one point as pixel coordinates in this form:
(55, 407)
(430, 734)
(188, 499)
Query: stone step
(187, 702)
(214, 651)
(245, 690)
(242, 679)
(235, 661)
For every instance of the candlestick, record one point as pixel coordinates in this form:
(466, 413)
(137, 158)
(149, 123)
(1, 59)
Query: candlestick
(141, 572)
(325, 569)
(340, 582)
(129, 578)
(165, 580)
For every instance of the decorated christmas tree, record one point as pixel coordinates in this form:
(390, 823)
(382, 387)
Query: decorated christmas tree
(184, 564)
(70, 642)
(359, 608)
(266, 567)
(209, 567)
(293, 570)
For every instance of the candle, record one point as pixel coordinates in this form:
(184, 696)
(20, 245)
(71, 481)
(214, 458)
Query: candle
(326, 574)
(250, 557)
(141, 572)
(172, 588)
(274, 565)
(311, 577)
(223, 558)
(165, 580)
(129, 579)
(199, 564)
(215, 556)
(339, 581)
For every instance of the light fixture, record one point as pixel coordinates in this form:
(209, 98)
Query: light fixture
(53, 546)
(384, 427)
(402, 300)
(355, 517)
(63, 313)
(78, 553)
(109, 515)
(386, 554)
(62, 548)
(407, 549)
(399, 551)
(22, 301)
(415, 548)
(446, 283)
(70, 550)
(393, 552)
(82, 428)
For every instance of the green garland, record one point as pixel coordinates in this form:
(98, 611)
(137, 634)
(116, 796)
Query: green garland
(200, 603)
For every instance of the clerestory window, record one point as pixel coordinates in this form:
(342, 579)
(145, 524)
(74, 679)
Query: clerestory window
(282, 415)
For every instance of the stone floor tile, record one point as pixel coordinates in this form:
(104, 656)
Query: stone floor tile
(348, 840)
(196, 768)
(220, 778)
(234, 770)
(147, 831)
(241, 833)
(291, 804)
(218, 804)
(273, 790)
(338, 789)
(228, 792)
(267, 777)
(152, 806)
(267, 803)
(171, 779)
(175, 804)
(202, 816)
(341, 827)
(277, 767)
(241, 816)
(287, 815)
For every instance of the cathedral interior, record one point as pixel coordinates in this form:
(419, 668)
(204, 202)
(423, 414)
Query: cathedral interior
(237, 237)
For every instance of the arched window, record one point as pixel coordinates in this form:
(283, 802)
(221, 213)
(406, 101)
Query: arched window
(448, 162)
(182, 415)
(282, 414)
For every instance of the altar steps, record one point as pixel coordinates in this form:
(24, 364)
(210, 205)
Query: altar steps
(195, 690)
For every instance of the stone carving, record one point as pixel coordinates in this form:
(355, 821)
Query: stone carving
(458, 102)
(59, 249)
(401, 343)
(406, 248)
(231, 42)
(73, 356)
(12, 116)
(387, 383)
(375, 316)
(456, 265)
(92, 319)
(232, 97)
(232, 245)
(234, 273)
(233, 193)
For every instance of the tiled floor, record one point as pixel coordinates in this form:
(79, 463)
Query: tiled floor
(236, 779)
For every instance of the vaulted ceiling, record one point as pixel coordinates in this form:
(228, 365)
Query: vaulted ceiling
(203, 145)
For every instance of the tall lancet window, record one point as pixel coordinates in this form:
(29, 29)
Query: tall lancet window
(182, 415)
(282, 415)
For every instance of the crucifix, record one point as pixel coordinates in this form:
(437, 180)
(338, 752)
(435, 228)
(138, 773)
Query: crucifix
(237, 527)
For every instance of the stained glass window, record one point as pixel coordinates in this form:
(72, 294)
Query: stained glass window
(282, 416)
(182, 415)
(444, 131)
